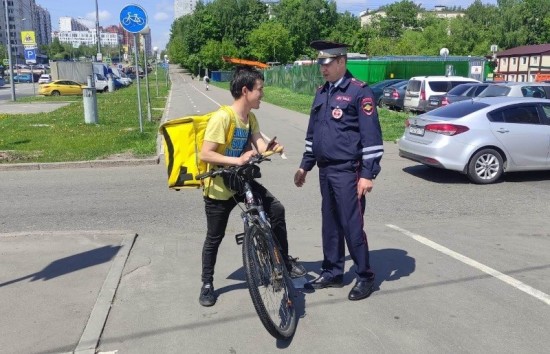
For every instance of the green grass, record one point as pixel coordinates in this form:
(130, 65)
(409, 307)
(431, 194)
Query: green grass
(62, 135)
(391, 122)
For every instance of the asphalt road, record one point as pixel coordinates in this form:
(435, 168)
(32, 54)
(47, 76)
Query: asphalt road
(461, 268)
(21, 90)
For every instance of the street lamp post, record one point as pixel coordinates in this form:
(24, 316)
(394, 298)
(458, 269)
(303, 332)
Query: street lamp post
(168, 68)
(444, 52)
(147, 30)
(155, 51)
(13, 98)
(97, 29)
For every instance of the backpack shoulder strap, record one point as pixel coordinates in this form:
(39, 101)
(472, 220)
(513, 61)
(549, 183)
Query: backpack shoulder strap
(232, 122)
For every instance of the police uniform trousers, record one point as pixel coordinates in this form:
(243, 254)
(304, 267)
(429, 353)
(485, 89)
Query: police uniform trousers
(342, 215)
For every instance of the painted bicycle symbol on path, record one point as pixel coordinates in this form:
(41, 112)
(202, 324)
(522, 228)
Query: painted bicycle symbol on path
(133, 18)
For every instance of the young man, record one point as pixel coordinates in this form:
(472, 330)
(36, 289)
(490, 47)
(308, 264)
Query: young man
(247, 90)
(206, 81)
(344, 139)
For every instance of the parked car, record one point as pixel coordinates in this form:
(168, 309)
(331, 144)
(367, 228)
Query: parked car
(393, 96)
(22, 78)
(126, 81)
(61, 87)
(45, 78)
(421, 88)
(458, 93)
(101, 83)
(118, 84)
(482, 137)
(378, 87)
(518, 89)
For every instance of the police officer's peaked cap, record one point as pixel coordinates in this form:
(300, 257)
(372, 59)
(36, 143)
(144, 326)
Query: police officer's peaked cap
(328, 51)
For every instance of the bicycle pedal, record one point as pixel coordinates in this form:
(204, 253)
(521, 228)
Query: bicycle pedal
(239, 238)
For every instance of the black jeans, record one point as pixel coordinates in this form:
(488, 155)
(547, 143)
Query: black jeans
(217, 216)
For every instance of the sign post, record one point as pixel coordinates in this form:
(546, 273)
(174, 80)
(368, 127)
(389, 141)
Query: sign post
(133, 19)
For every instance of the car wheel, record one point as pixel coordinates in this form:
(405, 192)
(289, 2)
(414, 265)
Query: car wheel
(486, 166)
(56, 93)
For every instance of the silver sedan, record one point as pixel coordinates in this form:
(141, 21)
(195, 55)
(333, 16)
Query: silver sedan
(482, 138)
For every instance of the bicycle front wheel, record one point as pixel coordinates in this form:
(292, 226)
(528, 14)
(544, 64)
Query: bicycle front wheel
(271, 289)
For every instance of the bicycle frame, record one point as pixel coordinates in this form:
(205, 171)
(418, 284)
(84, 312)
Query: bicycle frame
(254, 214)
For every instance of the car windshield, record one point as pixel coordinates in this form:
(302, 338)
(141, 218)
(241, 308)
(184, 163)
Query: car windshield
(414, 85)
(458, 109)
(495, 91)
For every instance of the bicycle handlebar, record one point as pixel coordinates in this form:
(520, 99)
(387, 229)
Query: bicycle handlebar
(253, 161)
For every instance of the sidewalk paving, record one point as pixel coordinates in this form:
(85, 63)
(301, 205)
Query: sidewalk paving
(56, 288)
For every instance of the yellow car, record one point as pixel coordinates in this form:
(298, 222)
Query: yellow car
(60, 87)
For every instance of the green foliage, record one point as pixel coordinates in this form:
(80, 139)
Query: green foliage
(399, 16)
(283, 31)
(269, 42)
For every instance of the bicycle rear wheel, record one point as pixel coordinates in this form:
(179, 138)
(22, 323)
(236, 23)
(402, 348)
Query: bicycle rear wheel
(272, 292)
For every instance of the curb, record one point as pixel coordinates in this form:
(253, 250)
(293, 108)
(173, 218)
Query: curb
(79, 164)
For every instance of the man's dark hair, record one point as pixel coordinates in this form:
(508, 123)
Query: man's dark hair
(244, 76)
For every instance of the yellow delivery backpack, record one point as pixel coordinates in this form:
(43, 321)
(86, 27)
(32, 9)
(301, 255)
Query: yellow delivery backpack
(182, 142)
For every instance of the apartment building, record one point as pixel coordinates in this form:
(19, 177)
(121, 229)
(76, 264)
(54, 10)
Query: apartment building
(23, 15)
(366, 17)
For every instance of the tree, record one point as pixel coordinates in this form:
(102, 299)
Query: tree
(55, 48)
(306, 20)
(269, 42)
(348, 30)
(399, 17)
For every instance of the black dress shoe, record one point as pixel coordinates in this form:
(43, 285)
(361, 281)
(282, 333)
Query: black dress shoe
(325, 282)
(361, 289)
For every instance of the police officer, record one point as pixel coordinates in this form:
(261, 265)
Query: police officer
(344, 139)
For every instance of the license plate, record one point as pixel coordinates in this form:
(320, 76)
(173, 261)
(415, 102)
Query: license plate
(416, 131)
(386, 94)
(434, 103)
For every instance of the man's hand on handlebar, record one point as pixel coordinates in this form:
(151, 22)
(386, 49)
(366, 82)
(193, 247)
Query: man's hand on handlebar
(244, 158)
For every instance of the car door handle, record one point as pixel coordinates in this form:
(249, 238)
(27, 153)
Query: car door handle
(502, 130)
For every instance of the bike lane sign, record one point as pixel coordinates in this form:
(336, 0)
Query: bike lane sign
(133, 18)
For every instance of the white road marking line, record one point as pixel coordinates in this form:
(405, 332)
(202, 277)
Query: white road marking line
(492, 272)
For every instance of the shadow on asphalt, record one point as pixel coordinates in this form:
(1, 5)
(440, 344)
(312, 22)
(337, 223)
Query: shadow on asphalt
(71, 264)
(442, 176)
(437, 175)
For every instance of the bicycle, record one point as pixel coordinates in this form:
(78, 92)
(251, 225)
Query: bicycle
(269, 282)
(132, 18)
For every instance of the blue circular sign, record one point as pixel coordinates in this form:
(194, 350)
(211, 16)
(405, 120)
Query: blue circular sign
(133, 18)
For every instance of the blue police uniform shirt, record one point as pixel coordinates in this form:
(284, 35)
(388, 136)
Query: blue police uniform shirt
(344, 126)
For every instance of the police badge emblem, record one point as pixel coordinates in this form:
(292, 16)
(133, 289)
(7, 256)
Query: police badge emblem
(337, 113)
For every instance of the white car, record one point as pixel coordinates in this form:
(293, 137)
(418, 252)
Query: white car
(45, 79)
(421, 88)
(124, 80)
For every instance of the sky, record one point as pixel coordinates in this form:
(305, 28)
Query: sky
(160, 13)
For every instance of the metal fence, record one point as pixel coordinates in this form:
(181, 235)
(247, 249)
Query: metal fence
(307, 78)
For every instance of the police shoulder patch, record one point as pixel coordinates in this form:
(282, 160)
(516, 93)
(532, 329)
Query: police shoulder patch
(367, 105)
(358, 82)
